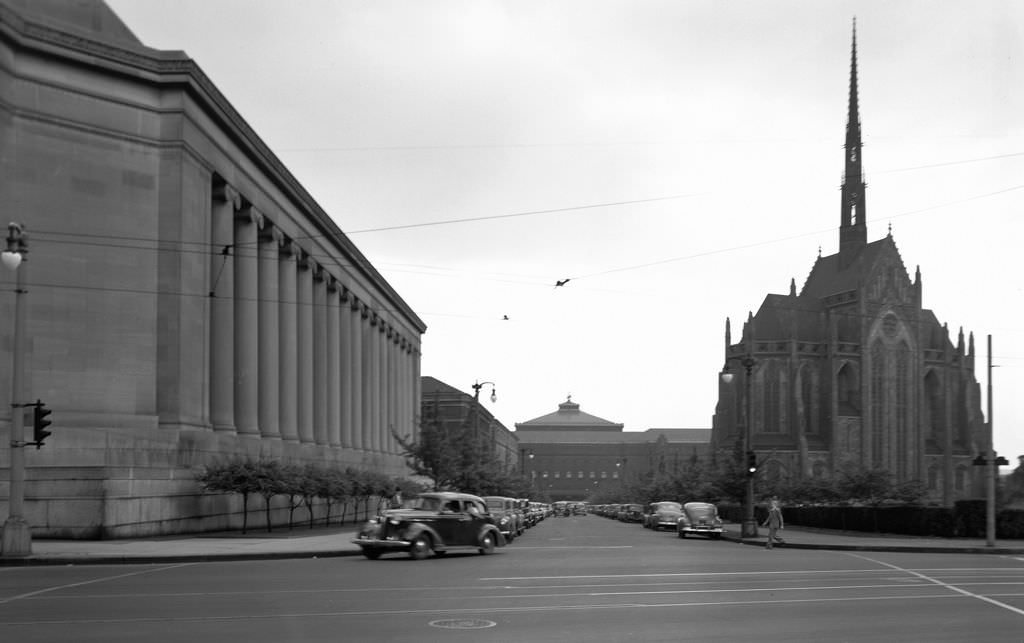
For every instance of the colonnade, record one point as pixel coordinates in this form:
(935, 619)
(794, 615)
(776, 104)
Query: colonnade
(295, 353)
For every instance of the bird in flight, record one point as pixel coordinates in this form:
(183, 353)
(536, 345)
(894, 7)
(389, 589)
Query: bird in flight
(504, 317)
(562, 282)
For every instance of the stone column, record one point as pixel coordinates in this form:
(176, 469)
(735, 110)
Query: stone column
(333, 350)
(320, 356)
(367, 330)
(417, 384)
(345, 357)
(247, 227)
(378, 388)
(269, 320)
(304, 287)
(288, 351)
(226, 201)
(356, 332)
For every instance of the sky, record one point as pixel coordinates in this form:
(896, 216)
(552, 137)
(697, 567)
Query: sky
(677, 161)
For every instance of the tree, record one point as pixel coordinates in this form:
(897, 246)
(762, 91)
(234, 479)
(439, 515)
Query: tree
(235, 476)
(454, 457)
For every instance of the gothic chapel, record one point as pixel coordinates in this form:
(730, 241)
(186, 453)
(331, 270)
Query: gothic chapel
(852, 369)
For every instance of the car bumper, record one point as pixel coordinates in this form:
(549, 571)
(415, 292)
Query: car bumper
(668, 524)
(379, 544)
(700, 530)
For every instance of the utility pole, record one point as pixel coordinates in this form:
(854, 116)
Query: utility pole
(992, 467)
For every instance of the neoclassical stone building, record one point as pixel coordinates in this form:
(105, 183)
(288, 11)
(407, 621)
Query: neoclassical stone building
(188, 301)
(853, 368)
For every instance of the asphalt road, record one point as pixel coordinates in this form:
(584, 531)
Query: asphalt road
(567, 579)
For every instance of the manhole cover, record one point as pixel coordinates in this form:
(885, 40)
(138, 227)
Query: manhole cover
(463, 624)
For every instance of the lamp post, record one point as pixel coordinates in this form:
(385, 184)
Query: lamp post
(17, 537)
(748, 528)
(479, 385)
(524, 455)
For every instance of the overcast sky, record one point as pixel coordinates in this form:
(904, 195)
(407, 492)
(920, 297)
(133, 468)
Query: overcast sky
(677, 161)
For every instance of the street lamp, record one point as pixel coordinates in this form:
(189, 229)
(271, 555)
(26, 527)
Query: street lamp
(17, 537)
(748, 528)
(476, 391)
(524, 455)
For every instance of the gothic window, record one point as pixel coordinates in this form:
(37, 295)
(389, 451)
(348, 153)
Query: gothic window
(557, 475)
(848, 386)
(615, 474)
(878, 398)
(581, 475)
(808, 416)
(772, 409)
(934, 409)
(902, 410)
(593, 474)
(604, 474)
(960, 479)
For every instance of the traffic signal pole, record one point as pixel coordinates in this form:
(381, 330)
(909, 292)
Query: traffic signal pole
(17, 538)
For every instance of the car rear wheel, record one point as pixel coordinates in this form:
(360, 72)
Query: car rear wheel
(486, 544)
(682, 534)
(371, 553)
(420, 548)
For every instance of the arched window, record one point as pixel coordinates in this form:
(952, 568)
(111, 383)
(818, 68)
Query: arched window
(848, 386)
(772, 406)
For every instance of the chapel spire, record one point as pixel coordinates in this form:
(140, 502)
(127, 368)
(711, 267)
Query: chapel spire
(853, 232)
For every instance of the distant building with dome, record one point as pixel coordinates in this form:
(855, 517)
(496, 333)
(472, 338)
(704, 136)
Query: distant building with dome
(852, 369)
(570, 454)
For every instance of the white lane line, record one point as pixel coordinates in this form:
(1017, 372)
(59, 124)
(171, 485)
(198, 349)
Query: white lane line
(681, 574)
(462, 610)
(946, 585)
(89, 582)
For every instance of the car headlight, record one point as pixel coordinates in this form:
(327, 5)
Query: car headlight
(503, 521)
(394, 522)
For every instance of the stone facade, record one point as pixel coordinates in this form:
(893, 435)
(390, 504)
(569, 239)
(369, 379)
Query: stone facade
(188, 300)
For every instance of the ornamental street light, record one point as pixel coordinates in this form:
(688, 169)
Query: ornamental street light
(479, 385)
(17, 537)
(748, 528)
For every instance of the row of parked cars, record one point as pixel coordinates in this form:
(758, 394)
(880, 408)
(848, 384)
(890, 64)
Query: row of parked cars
(435, 523)
(683, 518)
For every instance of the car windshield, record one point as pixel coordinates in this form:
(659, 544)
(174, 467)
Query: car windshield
(426, 503)
(702, 510)
(668, 506)
(494, 503)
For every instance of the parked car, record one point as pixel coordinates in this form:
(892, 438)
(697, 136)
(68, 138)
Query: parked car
(699, 518)
(436, 522)
(631, 513)
(503, 510)
(663, 514)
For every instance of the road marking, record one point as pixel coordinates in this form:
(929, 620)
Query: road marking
(946, 585)
(89, 582)
(480, 610)
(681, 574)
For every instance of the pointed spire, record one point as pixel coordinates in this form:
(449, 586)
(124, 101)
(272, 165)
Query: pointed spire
(852, 224)
(728, 334)
(792, 287)
(970, 350)
(960, 342)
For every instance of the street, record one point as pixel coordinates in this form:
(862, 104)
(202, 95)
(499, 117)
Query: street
(582, 578)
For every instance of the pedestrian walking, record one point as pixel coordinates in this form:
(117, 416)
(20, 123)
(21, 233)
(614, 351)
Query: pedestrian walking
(774, 523)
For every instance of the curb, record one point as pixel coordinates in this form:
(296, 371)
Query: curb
(885, 548)
(40, 561)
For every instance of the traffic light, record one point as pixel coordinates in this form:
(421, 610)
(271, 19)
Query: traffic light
(751, 463)
(39, 423)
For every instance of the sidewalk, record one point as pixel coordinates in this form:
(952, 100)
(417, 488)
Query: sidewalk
(809, 538)
(327, 542)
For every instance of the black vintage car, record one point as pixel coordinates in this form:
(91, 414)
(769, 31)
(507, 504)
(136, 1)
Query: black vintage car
(436, 522)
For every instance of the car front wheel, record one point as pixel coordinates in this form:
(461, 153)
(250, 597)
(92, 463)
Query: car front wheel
(486, 544)
(682, 534)
(371, 553)
(420, 548)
